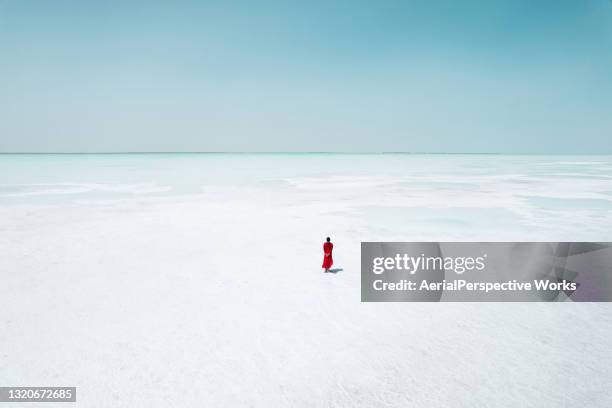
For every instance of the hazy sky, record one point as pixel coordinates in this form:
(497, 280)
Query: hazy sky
(513, 76)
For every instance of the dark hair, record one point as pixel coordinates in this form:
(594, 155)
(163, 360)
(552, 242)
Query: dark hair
(328, 239)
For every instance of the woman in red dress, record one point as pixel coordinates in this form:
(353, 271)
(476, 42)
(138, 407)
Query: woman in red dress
(328, 261)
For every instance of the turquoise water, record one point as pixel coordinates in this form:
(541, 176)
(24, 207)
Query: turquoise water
(444, 193)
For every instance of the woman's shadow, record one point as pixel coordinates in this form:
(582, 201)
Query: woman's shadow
(335, 270)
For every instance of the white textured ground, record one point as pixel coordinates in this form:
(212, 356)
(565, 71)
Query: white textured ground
(181, 281)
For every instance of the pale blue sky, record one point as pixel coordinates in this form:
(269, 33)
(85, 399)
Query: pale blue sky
(421, 76)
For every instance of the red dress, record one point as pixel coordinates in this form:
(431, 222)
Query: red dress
(328, 261)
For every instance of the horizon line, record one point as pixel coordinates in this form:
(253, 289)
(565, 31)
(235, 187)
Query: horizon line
(307, 152)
